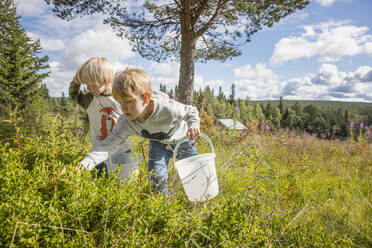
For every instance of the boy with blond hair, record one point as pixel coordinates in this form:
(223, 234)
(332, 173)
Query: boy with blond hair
(102, 109)
(152, 115)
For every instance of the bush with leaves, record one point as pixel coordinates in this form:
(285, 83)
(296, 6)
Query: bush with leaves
(275, 191)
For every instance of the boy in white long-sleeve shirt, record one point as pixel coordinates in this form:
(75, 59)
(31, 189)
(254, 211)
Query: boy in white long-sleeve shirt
(103, 110)
(152, 115)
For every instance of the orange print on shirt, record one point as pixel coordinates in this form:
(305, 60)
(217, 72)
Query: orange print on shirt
(106, 115)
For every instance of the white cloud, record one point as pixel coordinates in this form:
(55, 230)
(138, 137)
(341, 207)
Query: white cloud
(328, 75)
(368, 48)
(301, 89)
(260, 71)
(200, 83)
(257, 82)
(166, 70)
(51, 25)
(118, 66)
(167, 73)
(331, 84)
(30, 7)
(58, 80)
(214, 84)
(330, 41)
(289, 21)
(100, 41)
(164, 73)
(325, 2)
(47, 43)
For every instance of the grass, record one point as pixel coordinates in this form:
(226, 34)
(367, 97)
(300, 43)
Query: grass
(276, 190)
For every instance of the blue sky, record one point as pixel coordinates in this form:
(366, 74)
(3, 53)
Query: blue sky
(323, 52)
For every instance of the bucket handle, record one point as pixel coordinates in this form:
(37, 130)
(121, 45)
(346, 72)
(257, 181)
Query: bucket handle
(185, 138)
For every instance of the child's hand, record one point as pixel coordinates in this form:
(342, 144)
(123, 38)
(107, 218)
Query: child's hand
(193, 132)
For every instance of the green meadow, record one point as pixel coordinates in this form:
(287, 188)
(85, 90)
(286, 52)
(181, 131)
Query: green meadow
(276, 190)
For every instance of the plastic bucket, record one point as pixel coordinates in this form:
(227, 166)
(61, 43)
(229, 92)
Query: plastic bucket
(128, 162)
(198, 174)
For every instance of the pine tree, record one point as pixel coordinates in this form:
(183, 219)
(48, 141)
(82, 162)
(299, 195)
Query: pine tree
(220, 95)
(346, 117)
(232, 96)
(44, 92)
(281, 105)
(21, 70)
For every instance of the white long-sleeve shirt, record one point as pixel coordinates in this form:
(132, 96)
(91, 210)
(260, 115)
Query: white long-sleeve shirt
(103, 113)
(167, 124)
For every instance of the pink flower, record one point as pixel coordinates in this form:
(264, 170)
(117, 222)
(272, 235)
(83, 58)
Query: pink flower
(268, 128)
(237, 109)
(368, 132)
(361, 125)
(234, 117)
(262, 126)
(351, 125)
(174, 96)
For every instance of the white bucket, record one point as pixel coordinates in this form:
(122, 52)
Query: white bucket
(128, 162)
(198, 174)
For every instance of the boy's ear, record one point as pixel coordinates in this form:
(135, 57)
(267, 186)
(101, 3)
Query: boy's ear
(146, 97)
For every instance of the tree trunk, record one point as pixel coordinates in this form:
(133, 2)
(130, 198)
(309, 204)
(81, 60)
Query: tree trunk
(186, 78)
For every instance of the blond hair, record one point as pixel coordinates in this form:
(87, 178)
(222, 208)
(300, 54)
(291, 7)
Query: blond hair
(130, 83)
(95, 71)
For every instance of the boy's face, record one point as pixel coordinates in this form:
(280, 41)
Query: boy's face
(96, 90)
(133, 108)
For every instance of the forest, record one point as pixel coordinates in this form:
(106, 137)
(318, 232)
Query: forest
(329, 120)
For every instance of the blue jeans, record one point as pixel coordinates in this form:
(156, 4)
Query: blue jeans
(159, 157)
(102, 168)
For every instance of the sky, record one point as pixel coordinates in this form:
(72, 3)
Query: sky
(323, 52)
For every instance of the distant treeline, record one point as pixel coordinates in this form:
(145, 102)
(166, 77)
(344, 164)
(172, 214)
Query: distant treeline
(326, 119)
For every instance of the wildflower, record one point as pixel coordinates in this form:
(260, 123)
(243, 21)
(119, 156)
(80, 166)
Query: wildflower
(366, 128)
(234, 117)
(174, 96)
(262, 126)
(237, 109)
(351, 125)
(368, 132)
(268, 128)
(361, 125)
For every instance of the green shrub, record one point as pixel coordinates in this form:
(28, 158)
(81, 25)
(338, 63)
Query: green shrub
(275, 191)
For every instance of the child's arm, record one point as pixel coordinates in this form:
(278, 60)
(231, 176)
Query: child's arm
(117, 139)
(193, 121)
(83, 98)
